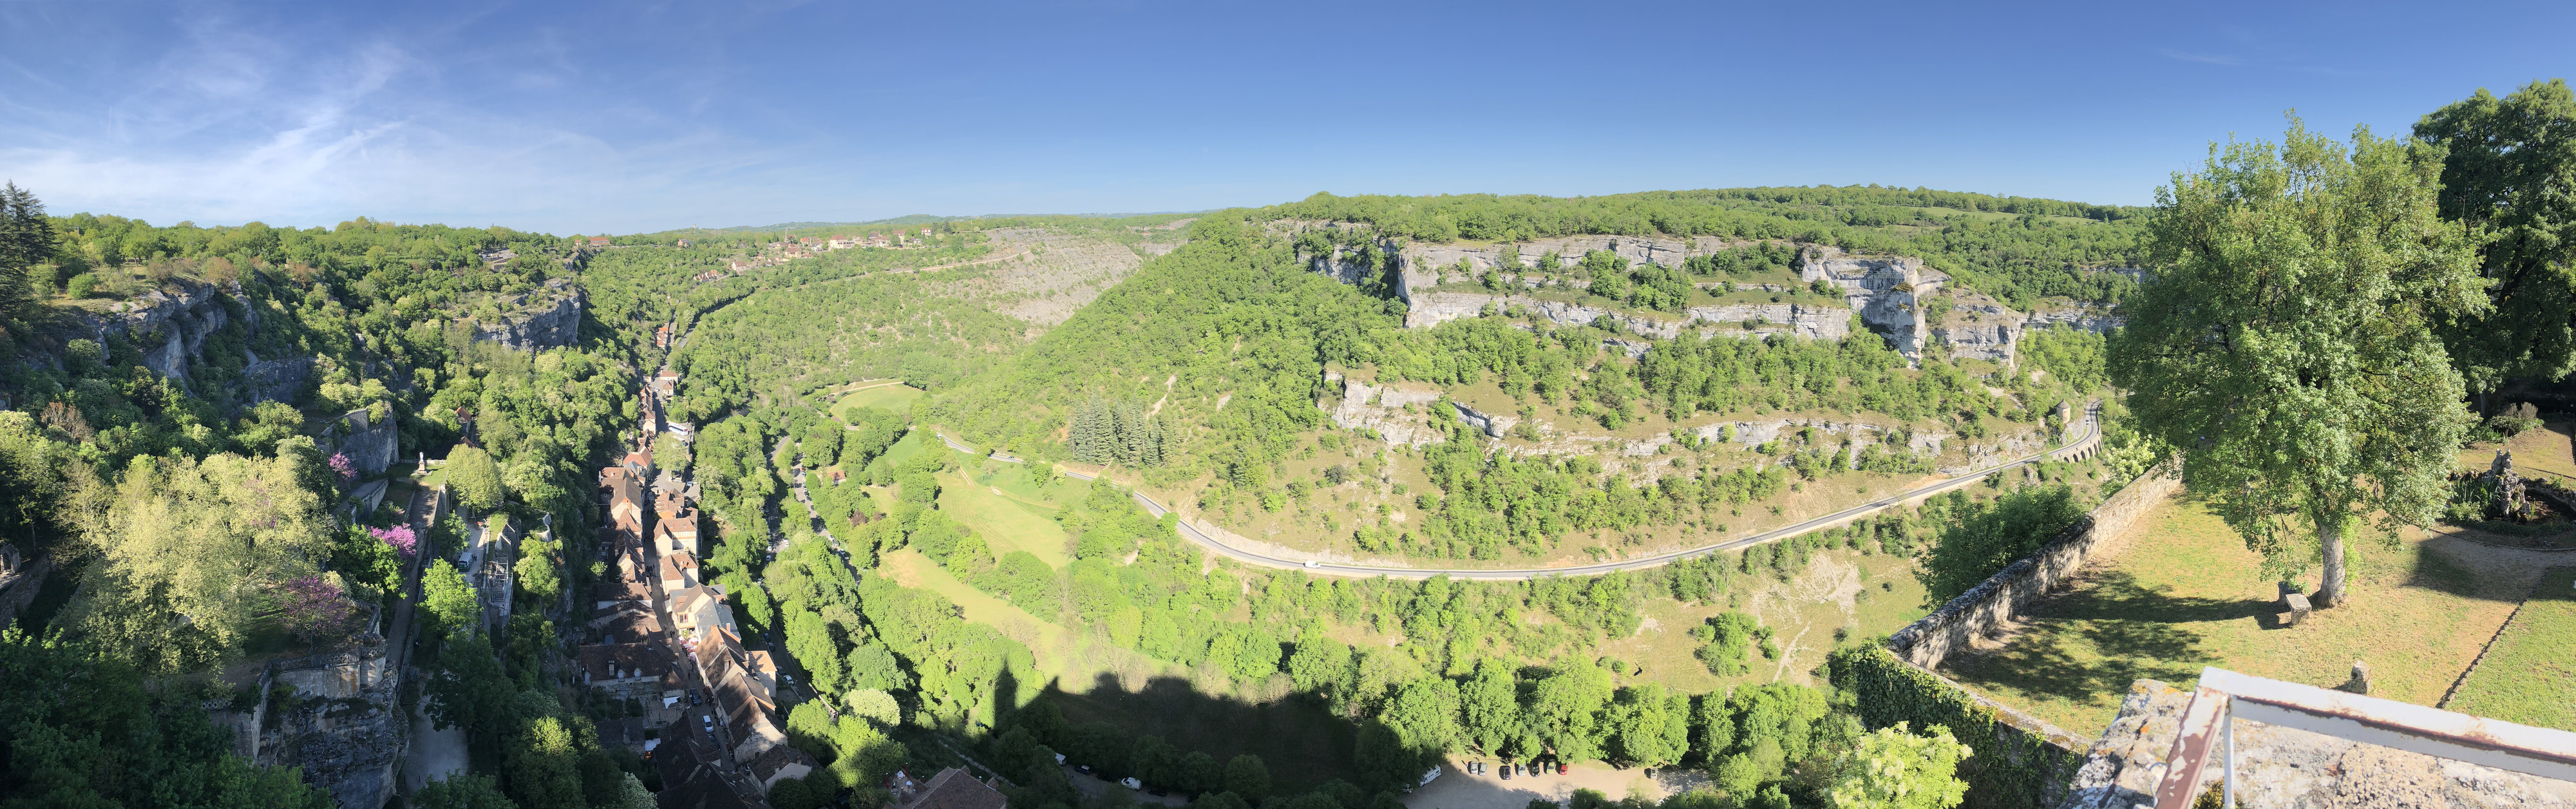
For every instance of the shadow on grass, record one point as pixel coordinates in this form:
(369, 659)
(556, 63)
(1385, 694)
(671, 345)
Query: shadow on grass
(2430, 570)
(1303, 743)
(2086, 647)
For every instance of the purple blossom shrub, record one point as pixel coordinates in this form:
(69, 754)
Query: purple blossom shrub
(340, 466)
(316, 609)
(400, 537)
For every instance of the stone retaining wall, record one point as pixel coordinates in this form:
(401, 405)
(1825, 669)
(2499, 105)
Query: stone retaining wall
(1925, 643)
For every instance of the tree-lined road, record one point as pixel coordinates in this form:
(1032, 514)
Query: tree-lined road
(2088, 436)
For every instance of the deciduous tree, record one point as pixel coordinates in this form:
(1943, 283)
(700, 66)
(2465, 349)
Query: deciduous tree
(2510, 169)
(2286, 342)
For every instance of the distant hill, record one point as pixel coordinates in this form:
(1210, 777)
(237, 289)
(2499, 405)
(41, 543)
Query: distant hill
(907, 219)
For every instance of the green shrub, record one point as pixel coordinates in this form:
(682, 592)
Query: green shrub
(83, 285)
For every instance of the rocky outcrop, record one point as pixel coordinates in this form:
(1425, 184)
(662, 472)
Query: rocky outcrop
(1810, 321)
(1977, 326)
(1399, 415)
(340, 723)
(278, 380)
(1799, 319)
(1494, 426)
(169, 325)
(1896, 297)
(546, 318)
(1571, 249)
(370, 447)
(1888, 292)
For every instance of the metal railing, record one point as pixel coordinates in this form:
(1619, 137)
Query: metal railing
(2210, 721)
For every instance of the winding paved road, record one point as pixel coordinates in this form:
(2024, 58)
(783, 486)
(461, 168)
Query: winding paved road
(2082, 442)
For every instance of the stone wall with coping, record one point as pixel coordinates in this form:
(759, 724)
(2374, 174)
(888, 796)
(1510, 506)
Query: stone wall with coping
(1983, 608)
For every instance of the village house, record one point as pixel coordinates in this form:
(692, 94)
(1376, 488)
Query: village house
(629, 620)
(700, 607)
(742, 706)
(953, 788)
(624, 499)
(764, 672)
(667, 382)
(679, 572)
(697, 775)
(780, 763)
(637, 671)
(677, 534)
(598, 241)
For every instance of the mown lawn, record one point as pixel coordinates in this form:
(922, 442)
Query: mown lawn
(2529, 676)
(892, 397)
(2186, 594)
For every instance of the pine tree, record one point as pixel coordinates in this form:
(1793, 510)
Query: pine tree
(26, 237)
(1130, 432)
(1151, 447)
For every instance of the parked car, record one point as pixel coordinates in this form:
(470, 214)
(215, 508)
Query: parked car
(1082, 768)
(1507, 772)
(1560, 768)
(1130, 782)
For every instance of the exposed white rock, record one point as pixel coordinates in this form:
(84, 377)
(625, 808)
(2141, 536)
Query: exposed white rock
(1494, 425)
(1382, 408)
(1886, 291)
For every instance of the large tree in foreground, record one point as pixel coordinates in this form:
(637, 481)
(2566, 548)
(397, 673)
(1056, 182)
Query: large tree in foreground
(2510, 168)
(2286, 344)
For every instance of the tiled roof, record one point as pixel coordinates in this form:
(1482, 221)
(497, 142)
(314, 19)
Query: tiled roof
(625, 660)
(952, 788)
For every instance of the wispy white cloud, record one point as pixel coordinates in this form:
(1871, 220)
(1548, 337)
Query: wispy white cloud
(234, 124)
(2203, 58)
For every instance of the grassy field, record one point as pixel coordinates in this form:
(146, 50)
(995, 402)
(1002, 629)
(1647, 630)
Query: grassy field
(2529, 676)
(1007, 523)
(2186, 594)
(893, 397)
(911, 445)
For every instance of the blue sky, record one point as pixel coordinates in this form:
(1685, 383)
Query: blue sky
(627, 117)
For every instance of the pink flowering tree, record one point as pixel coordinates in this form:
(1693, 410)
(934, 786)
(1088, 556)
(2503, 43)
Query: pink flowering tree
(340, 466)
(315, 609)
(400, 537)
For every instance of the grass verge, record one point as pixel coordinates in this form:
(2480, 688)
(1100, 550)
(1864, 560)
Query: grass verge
(2529, 675)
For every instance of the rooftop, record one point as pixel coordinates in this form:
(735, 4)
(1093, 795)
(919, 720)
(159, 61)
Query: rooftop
(952, 788)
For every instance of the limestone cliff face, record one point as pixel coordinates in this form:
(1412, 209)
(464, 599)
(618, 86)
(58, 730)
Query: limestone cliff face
(546, 318)
(1888, 292)
(1979, 327)
(370, 447)
(1897, 297)
(332, 714)
(169, 326)
(278, 380)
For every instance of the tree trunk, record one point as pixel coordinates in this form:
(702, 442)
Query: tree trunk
(2330, 592)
